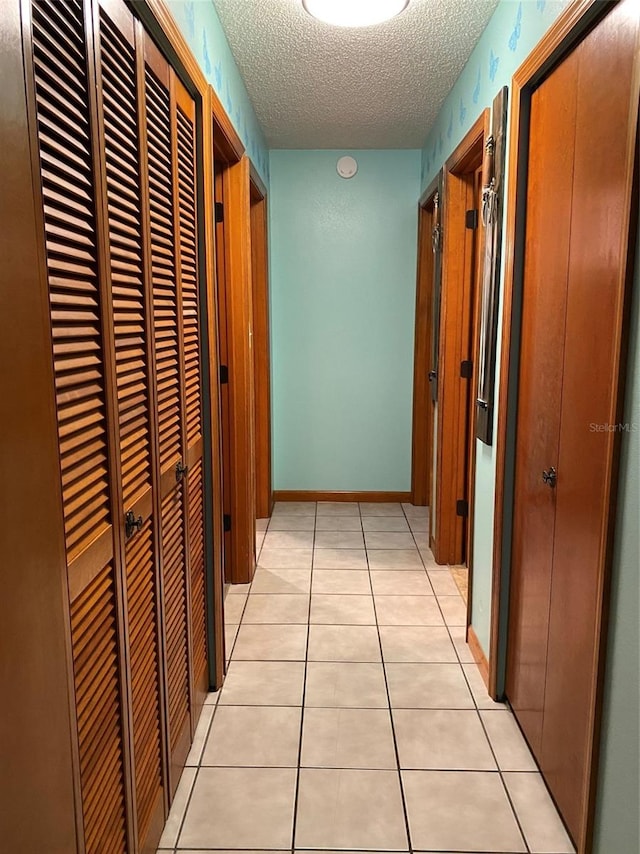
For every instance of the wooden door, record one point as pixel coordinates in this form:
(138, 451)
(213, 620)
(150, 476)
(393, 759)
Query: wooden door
(261, 351)
(582, 148)
(81, 333)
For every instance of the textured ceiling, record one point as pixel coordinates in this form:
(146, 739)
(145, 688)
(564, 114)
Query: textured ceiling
(317, 86)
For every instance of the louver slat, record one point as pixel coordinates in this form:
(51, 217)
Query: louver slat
(126, 259)
(176, 610)
(67, 187)
(95, 658)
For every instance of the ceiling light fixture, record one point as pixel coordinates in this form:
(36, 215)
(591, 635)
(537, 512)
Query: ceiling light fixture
(354, 13)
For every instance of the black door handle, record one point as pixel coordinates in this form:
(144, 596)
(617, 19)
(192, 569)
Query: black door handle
(132, 524)
(550, 477)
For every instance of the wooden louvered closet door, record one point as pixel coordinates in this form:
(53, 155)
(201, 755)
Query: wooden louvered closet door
(78, 301)
(159, 88)
(132, 334)
(117, 155)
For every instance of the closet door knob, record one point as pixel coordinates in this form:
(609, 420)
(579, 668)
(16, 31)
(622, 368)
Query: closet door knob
(181, 471)
(132, 524)
(550, 477)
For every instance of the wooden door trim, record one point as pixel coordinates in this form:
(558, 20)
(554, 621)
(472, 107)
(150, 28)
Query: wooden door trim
(422, 433)
(261, 343)
(564, 35)
(241, 562)
(451, 453)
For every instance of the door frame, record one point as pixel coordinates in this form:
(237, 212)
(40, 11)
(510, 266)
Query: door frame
(455, 467)
(261, 342)
(239, 448)
(422, 435)
(564, 35)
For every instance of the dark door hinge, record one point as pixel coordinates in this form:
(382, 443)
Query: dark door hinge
(462, 508)
(227, 522)
(219, 212)
(224, 374)
(471, 219)
(466, 369)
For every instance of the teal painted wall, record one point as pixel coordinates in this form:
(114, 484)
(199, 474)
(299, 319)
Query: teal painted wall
(200, 25)
(343, 276)
(513, 31)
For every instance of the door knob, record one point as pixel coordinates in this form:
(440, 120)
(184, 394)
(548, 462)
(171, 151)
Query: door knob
(550, 477)
(181, 470)
(132, 523)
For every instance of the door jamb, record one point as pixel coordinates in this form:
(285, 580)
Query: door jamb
(229, 151)
(261, 343)
(422, 435)
(451, 469)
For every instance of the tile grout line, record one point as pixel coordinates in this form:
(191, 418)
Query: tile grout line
(391, 719)
(296, 794)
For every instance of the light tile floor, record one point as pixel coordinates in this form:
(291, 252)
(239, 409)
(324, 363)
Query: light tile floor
(353, 717)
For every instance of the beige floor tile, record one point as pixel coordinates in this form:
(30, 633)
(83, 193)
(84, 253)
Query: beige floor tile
(462, 647)
(460, 811)
(453, 610)
(259, 541)
(507, 741)
(294, 508)
(347, 738)
(418, 644)
(292, 523)
(339, 540)
(230, 635)
(281, 581)
(479, 689)
(442, 582)
(338, 508)
(388, 540)
(234, 606)
(427, 686)
(415, 511)
(410, 583)
(385, 523)
(339, 559)
(211, 698)
(419, 525)
(541, 825)
(408, 611)
(442, 740)
(350, 809)
(350, 610)
(277, 608)
(421, 540)
(285, 558)
(344, 643)
(338, 523)
(345, 685)
(289, 540)
(238, 590)
(171, 830)
(200, 735)
(336, 581)
(382, 508)
(271, 643)
(428, 559)
(223, 799)
(258, 736)
(262, 525)
(395, 559)
(263, 683)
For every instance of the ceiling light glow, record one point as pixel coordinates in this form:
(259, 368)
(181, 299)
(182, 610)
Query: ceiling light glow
(354, 13)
